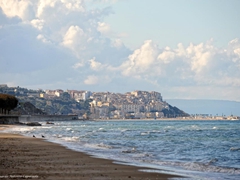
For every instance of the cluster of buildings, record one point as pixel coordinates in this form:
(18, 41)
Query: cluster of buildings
(136, 104)
(104, 105)
(74, 94)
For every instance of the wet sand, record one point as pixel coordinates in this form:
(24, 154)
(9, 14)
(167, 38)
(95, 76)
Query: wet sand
(33, 158)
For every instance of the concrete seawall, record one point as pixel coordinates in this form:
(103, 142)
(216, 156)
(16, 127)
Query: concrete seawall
(37, 118)
(9, 119)
(15, 119)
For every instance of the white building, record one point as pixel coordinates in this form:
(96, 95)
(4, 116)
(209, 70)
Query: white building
(58, 92)
(86, 95)
(130, 108)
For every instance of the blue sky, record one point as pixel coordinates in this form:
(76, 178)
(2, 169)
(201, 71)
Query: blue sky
(169, 22)
(183, 49)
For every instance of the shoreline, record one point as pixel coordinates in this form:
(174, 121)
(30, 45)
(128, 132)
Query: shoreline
(35, 158)
(165, 119)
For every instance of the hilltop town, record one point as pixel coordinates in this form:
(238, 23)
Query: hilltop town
(93, 105)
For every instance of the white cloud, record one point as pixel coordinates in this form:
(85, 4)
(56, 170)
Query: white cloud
(74, 38)
(142, 60)
(74, 5)
(237, 51)
(22, 9)
(37, 23)
(200, 55)
(96, 66)
(234, 51)
(167, 56)
(67, 23)
(196, 64)
(78, 65)
(103, 27)
(43, 39)
(45, 7)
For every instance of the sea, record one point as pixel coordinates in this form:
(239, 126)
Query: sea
(194, 149)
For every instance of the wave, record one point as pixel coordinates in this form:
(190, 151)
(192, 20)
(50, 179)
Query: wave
(46, 127)
(102, 130)
(133, 150)
(201, 167)
(98, 146)
(125, 130)
(144, 133)
(70, 139)
(234, 149)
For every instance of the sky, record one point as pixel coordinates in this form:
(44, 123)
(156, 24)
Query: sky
(183, 49)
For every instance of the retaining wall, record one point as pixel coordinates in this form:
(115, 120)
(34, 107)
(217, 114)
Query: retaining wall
(37, 118)
(9, 119)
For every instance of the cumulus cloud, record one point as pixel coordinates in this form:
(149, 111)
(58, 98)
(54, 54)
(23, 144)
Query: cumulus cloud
(65, 22)
(199, 64)
(61, 35)
(96, 66)
(166, 56)
(142, 60)
(37, 23)
(22, 9)
(74, 38)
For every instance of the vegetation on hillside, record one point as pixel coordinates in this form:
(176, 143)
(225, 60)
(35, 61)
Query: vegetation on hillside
(27, 108)
(174, 112)
(57, 105)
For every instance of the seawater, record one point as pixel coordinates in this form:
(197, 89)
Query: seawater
(197, 149)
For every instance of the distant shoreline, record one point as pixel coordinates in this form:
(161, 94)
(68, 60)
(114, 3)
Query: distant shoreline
(16, 119)
(168, 119)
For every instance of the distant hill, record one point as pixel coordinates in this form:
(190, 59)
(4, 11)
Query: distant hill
(214, 107)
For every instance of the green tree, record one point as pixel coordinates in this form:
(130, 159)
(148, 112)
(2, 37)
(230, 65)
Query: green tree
(7, 103)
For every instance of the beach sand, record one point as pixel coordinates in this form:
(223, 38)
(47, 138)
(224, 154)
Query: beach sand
(33, 158)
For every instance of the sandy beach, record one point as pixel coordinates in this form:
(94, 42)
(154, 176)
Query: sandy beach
(34, 158)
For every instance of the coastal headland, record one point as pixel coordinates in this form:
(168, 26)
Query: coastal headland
(34, 158)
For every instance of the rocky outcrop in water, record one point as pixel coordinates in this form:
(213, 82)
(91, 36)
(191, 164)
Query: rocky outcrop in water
(33, 124)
